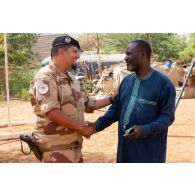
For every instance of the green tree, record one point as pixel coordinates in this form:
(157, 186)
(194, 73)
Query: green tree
(91, 41)
(167, 45)
(192, 40)
(189, 52)
(20, 56)
(117, 42)
(164, 45)
(19, 48)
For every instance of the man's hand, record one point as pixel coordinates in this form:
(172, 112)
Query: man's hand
(88, 123)
(135, 134)
(88, 129)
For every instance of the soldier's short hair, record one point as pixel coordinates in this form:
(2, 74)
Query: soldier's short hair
(54, 50)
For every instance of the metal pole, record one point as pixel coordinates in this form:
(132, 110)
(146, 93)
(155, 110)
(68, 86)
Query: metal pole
(7, 79)
(185, 82)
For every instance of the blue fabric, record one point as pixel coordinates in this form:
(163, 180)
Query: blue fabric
(153, 110)
(169, 64)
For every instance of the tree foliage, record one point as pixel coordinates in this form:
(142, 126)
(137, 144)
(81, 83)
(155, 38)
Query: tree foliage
(20, 56)
(19, 47)
(189, 52)
(117, 42)
(167, 45)
(91, 41)
(164, 45)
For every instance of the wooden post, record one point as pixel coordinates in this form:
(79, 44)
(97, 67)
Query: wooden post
(7, 79)
(10, 136)
(98, 50)
(98, 43)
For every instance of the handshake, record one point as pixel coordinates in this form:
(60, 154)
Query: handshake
(88, 129)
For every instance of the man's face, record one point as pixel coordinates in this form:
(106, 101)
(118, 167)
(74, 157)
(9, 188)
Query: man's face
(70, 56)
(133, 57)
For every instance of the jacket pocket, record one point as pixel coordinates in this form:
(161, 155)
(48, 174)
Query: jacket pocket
(144, 101)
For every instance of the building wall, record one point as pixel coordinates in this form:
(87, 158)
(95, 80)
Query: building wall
(43, 45)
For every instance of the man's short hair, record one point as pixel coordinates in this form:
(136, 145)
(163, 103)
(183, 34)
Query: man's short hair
(143, 46)
(54, 50)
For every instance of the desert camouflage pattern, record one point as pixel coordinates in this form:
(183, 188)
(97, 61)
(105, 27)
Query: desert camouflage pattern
(72, 155)
(52, 89)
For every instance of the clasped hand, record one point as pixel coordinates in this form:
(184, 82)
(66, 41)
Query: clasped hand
(88, 129)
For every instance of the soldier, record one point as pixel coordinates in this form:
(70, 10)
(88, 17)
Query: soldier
(59, 104)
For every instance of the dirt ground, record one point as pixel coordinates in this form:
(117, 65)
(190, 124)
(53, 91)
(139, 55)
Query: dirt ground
(102, 146)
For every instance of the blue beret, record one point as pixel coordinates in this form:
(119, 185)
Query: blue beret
(65, 40)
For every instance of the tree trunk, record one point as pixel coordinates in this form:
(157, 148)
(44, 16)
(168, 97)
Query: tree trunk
(149, 39)
(97, 43)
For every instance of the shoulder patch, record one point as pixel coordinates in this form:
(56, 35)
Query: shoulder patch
(43, 87)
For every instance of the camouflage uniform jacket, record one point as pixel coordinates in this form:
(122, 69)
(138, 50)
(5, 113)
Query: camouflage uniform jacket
(53, 89)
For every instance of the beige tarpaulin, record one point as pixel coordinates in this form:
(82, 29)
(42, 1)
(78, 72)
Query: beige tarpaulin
(175, 74)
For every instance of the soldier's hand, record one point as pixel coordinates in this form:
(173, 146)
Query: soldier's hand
(135, 134)
(88, 123)
(88, 129)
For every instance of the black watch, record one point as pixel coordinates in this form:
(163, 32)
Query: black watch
(111, 99)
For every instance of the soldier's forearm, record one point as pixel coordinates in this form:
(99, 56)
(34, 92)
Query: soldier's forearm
(102, 103)
(61, 119)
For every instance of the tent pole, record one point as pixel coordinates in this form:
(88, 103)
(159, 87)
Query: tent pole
(7, 79)
(185, 82)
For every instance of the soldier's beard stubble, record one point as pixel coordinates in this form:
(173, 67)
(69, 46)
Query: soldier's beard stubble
(74, 66)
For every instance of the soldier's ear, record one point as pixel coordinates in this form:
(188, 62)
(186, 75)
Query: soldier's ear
(61, 51)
